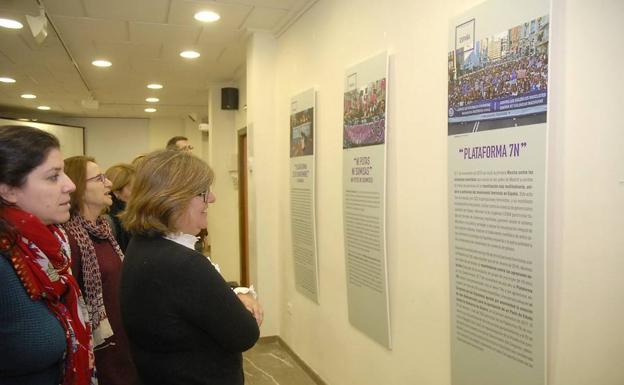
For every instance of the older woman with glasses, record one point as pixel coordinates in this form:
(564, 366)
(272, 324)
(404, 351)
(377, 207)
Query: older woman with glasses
(184, 323)
(44, 333)
(96, 262)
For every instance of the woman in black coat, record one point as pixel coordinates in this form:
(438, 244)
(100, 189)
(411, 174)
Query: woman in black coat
(184, 323)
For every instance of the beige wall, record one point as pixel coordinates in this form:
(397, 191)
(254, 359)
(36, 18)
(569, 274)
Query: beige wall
(263, 155)
(241, 115)
(112, 140)
(163, 129)
(586, 205)
(315, 53)
(115, 140)
(585, 247)
(223, 214)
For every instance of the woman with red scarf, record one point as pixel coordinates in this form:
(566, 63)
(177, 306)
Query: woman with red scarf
(44, 327)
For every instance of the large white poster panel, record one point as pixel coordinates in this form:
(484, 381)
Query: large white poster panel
(364, 197)
(497, 130)
(302, 186)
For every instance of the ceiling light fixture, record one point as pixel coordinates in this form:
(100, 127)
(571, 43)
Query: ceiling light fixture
(101, 63)
(154, 86)
(7, 80)
(29, 96)
(38, 25)
(11, 24)
(45, 108)
(190, 54)
(152, 100)
(207, 16)
(150, 110)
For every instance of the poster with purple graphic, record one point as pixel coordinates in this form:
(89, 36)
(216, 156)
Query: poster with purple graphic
(302, 193)
(497, 153)
(364, 197)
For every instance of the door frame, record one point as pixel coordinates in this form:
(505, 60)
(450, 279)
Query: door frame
(243, 212)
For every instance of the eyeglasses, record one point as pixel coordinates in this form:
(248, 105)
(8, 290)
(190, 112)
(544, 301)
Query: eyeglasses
(206, 195)
(188, 147)
(99, 177)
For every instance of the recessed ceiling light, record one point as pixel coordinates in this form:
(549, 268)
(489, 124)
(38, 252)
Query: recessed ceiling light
(45, 108)
(207, 16)
(11, 24)
(190, 54)
(29, 96)
(152, 100)
(101, 63)
(155, 86)
(7, 80)
(23, 120)
(150, 110)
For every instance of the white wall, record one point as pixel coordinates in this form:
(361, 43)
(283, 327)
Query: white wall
(241, 114)
(585, 246)
(586, 289)
(163, 129)
(115, 140)
(315, 52)
(223, 214)
(195, 137)
(263, 155)
(112, 140)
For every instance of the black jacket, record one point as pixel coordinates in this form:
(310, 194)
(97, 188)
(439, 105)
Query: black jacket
(184, 323)
(121, 235)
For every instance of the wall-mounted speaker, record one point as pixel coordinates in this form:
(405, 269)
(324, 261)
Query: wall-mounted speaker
(229, 98)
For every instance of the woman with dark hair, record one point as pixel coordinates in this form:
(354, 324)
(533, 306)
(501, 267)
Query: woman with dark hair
(184, 323)
(96, 263)
(44, 328)
(122, 177)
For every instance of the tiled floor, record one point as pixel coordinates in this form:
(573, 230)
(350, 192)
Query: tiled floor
(268, 363)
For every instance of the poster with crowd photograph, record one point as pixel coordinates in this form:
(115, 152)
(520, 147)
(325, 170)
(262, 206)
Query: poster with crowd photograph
(364, 196)
(497, 131)
(302, 186)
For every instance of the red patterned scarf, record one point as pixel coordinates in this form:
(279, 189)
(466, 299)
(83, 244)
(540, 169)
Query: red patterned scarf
(40, 257)
(82, 230)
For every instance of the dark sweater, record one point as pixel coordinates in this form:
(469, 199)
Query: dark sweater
(184, 323)
(112, 359)
(32, 340)
(121, 235)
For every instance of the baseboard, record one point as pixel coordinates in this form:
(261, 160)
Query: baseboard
(313, 375)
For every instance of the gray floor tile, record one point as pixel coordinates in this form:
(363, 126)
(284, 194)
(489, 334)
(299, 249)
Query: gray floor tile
(268, 363)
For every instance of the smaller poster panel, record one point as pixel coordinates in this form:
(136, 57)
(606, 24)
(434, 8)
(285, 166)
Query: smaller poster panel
(302, 186)
(364, 197)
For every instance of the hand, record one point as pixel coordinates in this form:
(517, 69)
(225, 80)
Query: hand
(253, 306)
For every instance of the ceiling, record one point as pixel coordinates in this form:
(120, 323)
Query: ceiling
(142, 39)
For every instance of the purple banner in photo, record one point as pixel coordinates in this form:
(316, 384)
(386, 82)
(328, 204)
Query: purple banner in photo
(506, 104)
(364, 134)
